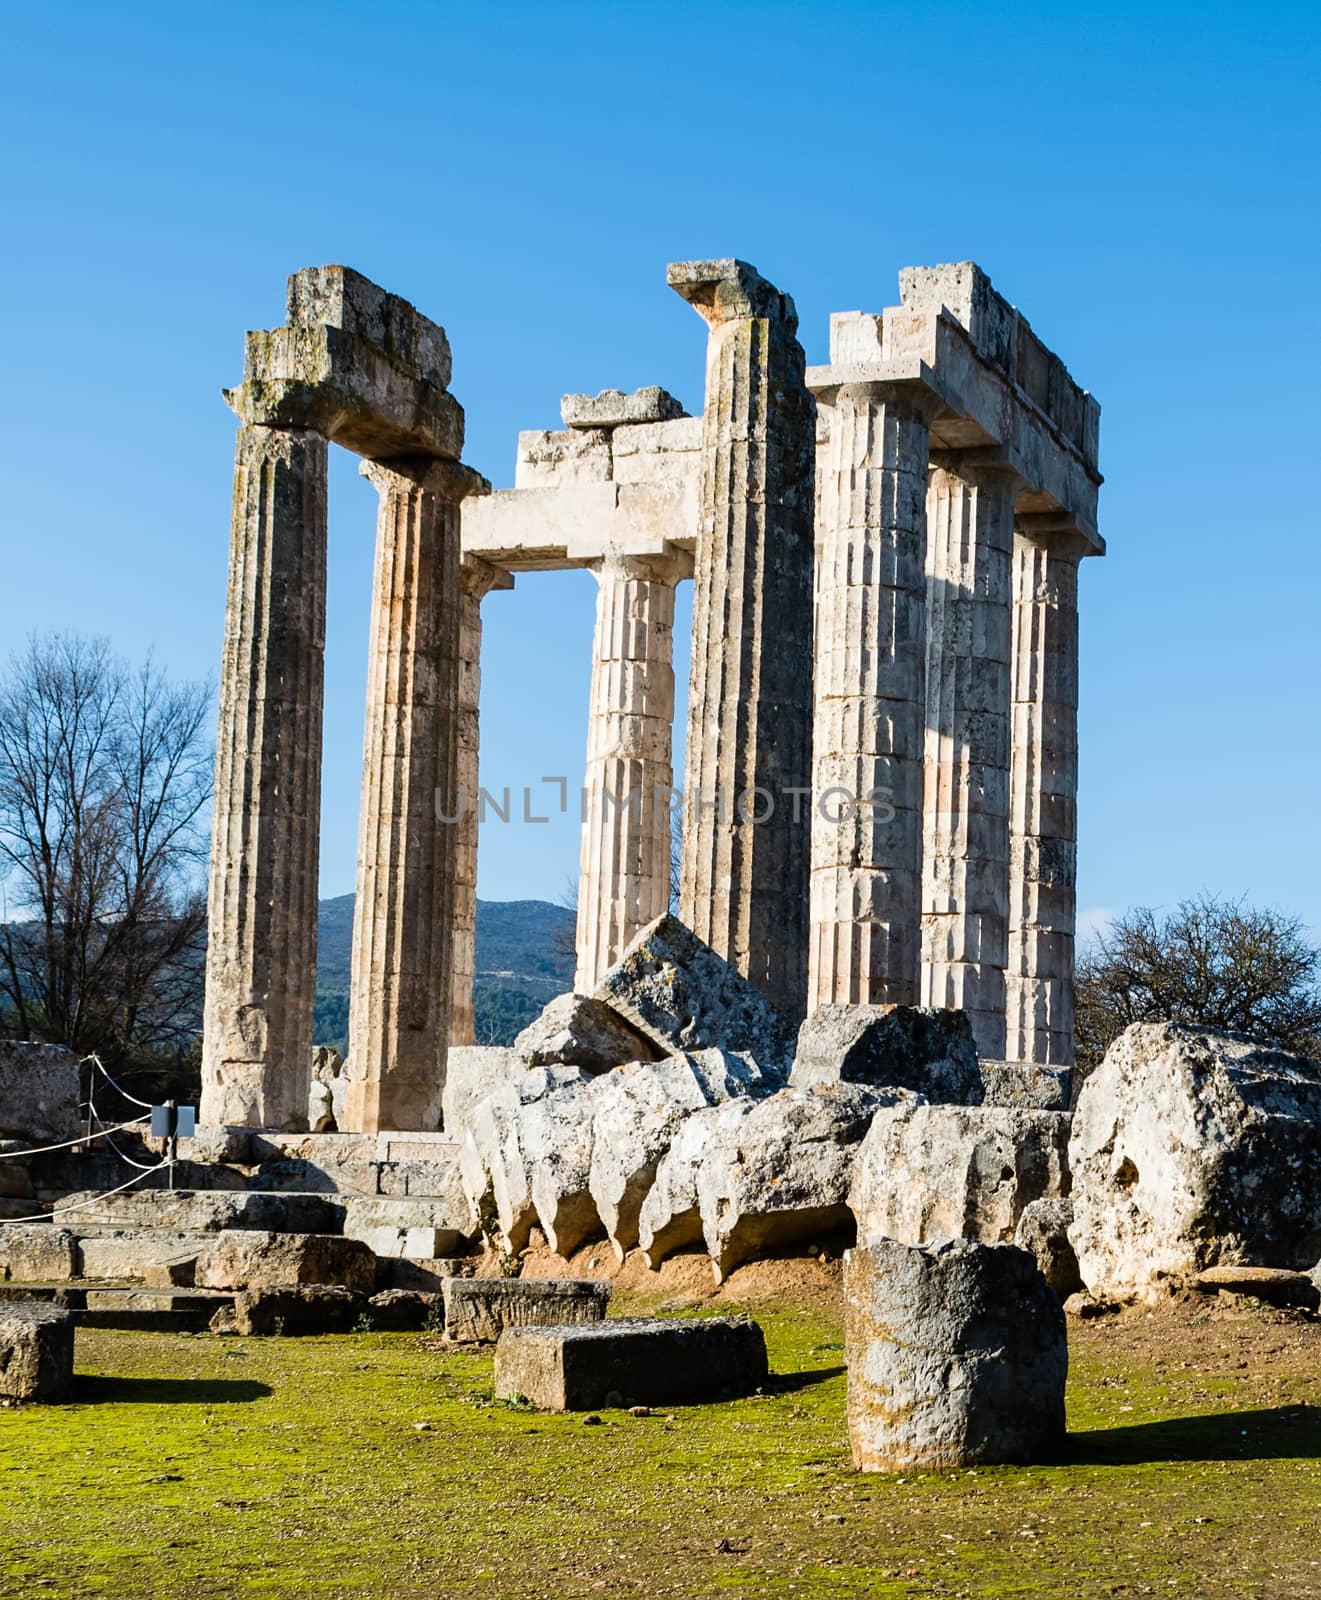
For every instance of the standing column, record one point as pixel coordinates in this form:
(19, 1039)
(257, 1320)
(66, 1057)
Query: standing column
(744, 875)
(965, 900)
(1043, 791)
(867, 738)
(625, 881)
(477, 578)
(400, 983)
(262, 905)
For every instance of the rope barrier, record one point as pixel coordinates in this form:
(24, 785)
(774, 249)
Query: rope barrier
(83, 1138)
(46, 1216)
(132, 1099)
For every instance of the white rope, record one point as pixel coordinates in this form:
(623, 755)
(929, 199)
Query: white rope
(45, 1216)
(104, 1132)
(132, 1099)
(83, 1138)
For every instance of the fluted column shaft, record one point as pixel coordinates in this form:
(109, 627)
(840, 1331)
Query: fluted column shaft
(1043, 795)
(868, 735)
(401, 978)
(745, 857)
(965, 901)
(262, 907)
(625, 881)
(478, 577)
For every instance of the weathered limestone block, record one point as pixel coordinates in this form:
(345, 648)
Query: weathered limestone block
(478, 1310)
(1043, 787)
(1032, 1086)
(472, 1072)
(678, 992)
(1277, 1286)
(639, 1110)
(965, 897)
(549, 460)
(156, 1257)
(869, 728)
(203, 1211)
(328, 1091)
(577, 1031)
(956, 1172)
(39, 1093)
(252, 1260)
(262, 910)
(1044, 1230)
(629, 784)
(957, 1356)
(612, 407)
(900, 1047)
(37, 1252)
(744, 874)
(646, 1361)
(338, 297)
(670, 1219)
(36, 1352)
(294, 1311)
(477, 578)
(783, 1177)
(1193, 1149)
(421, 1226)
(401, 981)
(514, 1165)
(403, 1310)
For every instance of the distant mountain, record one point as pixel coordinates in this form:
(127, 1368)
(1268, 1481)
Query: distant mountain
(524, 958)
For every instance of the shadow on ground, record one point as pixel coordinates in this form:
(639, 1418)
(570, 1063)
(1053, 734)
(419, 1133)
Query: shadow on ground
(1275, 1433)
(789, 1382)
(167, 1391)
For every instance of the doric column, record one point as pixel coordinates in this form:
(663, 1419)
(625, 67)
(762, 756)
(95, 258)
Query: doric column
(477, 578)
(868, 734)
(1043, 792)
(262, 910)
(744, 873)
(625, 882)
(965, 900)
(400, 983)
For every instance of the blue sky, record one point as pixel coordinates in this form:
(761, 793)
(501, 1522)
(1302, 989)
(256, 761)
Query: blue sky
(1140, 180)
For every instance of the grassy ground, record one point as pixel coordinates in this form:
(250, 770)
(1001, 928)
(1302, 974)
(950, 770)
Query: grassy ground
(372, 1465)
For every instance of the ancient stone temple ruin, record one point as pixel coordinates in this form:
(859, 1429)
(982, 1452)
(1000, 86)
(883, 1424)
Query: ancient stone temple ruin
(879, 795)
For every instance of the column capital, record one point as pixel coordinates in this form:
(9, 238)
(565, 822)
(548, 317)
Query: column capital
(448, 480)
(982, 466)
(479, 577)
(912, 396)
(668, 566)
(729, 291)
(1058, 534)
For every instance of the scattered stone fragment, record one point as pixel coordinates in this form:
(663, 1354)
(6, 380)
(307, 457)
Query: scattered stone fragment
(36, 1352)
(1190, 1150)
(957, 1356)
(254, 1260)
(37, 1252)
(311, 1308)
(1085, 1306)
(401, 1310)
(1044, 1230)
(656, 1361)
(612, 408)
(891, 1047)
(478, 1310)
(1277, 1286)
(683, 996)
(577, 1031)
(956, 1172)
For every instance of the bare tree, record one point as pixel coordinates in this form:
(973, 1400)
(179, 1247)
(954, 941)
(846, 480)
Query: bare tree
(104, 780)
(1211, 962)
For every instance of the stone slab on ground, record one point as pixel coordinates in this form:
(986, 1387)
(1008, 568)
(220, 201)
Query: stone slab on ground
(66, 1295)
(425, 1276)
(156, 1257)
(204, 1211)
(927, 1050)
(684, 997)
(957, 1356)
(638, 1361)
(404, 1310)
(1277, 1286)
(306, 1309)
(251, 1260)
(37, 1252)
(38, 1092)
(36, 1352)
(478, 1310)
(151, 1310)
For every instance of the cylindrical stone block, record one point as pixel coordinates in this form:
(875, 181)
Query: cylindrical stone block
(1043, 798)
(262, 907)
(957, 1356)
(868, 732)
(625, 882)
(965, 893)
(401, 979)
(746, 842)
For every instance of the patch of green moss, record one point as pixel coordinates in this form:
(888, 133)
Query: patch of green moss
(373, 1466)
